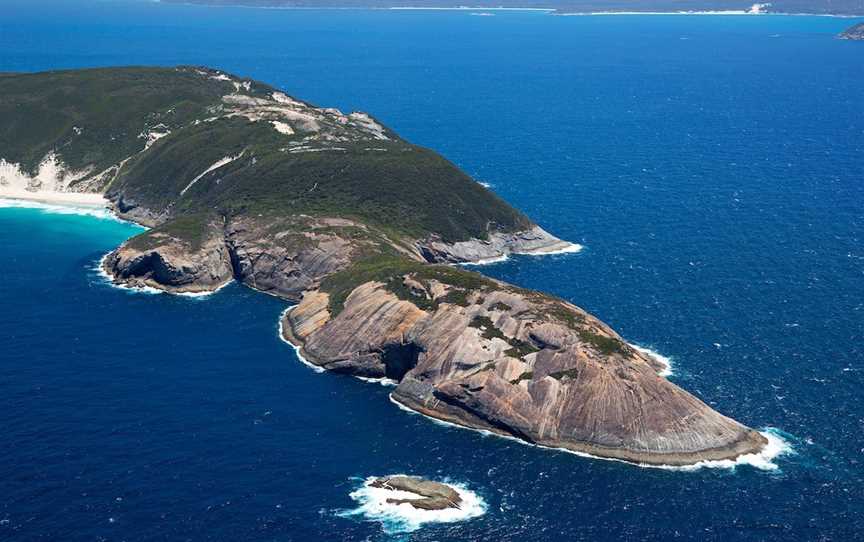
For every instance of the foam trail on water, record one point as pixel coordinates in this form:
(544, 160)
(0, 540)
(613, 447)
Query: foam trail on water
(777, 446)
(404, 518)
(666, 361)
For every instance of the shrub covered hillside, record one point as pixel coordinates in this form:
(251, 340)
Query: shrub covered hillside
(172, 142)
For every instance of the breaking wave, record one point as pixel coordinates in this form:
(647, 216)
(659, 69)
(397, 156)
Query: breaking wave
(404, 518)
(666, 361)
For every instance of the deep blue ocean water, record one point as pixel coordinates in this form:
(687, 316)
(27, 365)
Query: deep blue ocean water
(712, 166)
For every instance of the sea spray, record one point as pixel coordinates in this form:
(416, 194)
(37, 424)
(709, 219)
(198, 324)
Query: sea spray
(665, 361)
(404, 518)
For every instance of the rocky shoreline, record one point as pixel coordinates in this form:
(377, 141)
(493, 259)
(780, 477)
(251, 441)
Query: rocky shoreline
(531, 394)
(336, 213)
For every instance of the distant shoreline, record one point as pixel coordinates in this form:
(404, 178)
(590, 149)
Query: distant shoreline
(544, 10)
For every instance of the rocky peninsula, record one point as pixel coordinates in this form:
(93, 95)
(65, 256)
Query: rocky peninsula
(855, 32)
(337, 213)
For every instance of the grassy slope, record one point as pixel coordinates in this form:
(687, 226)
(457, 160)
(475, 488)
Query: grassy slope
(111, 107)
(406, 190)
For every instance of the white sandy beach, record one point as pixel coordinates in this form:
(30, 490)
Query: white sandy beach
(75, 199)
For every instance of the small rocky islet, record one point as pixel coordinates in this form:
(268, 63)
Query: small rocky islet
(430, 495)
(335, 212)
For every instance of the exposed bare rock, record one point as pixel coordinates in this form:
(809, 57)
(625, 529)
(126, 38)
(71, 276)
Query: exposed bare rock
(238, 180)
(288, 257)
(168, 263)
(520, 364)
(532, 241)
(430, 495)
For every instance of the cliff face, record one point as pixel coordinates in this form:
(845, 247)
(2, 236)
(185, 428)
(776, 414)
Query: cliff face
(517, 363)
(239, 181)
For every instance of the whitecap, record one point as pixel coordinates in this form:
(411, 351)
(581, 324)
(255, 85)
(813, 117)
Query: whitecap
(663, 360)
(404, 518)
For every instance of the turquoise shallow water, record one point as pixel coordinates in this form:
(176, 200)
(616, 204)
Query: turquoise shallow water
(710, 165)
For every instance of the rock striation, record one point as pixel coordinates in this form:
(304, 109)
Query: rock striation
(516, 363)
(238, 181)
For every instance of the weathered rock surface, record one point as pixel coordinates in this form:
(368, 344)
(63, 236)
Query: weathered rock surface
(519, 364)
(430, 495)
(171, 264)
(239, 181)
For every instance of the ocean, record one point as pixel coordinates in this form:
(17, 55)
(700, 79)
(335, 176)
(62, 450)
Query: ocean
(712, 166)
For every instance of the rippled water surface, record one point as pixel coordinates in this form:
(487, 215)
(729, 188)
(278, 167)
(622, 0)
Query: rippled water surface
(711, 166)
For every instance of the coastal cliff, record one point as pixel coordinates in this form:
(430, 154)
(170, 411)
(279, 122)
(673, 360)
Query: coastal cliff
(238, 181)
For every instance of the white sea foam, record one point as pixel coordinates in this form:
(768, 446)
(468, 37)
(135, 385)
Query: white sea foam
(384, 381)
(571, 248)
(404, 518)
(201, 295)
(488, 261)
(764, 460)
(296, 348)
(664, 360)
